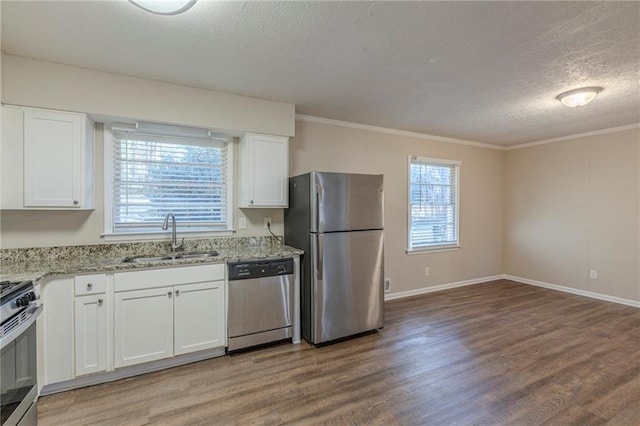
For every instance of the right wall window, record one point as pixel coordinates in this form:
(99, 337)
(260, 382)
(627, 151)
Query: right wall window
(433, 204)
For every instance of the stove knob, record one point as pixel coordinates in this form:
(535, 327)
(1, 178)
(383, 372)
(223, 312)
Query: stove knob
(32, 296)
(22, 301)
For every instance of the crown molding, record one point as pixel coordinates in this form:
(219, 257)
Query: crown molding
(357, 126)
(579, 135)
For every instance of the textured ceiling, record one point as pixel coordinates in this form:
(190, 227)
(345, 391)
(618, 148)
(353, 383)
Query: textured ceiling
(480, 71)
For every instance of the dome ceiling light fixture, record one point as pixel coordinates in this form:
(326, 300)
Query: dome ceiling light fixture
(579, 97)
(164, 7)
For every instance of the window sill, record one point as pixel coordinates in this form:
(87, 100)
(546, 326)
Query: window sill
(435, 249)
(164, 235)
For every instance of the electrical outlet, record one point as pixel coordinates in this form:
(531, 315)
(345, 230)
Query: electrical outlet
(593, 274)
(267, 222)
(387, 284)
(242, 223)
(427, 272)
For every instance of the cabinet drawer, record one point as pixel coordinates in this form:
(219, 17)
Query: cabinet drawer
(90, 284)
(153, 278)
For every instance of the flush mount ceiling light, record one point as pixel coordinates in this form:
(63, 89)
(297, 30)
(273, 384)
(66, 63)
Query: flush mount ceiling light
(579, 97)
(164, 7)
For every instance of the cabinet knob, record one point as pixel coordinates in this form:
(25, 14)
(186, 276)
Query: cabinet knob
(76, 202)
(250, 201)
(89, 286)
(100, 301)
(177, 292)
(169, 293)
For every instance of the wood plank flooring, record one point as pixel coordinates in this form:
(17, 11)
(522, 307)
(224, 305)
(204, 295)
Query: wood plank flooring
(498, 353)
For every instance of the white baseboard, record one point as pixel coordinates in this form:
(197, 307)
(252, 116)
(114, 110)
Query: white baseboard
(418, 291)
(591, 294)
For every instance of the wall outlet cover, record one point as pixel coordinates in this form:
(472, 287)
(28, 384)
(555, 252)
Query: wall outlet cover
(387, 284)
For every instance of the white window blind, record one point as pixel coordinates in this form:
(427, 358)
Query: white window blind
(433, 203)
(157, 174)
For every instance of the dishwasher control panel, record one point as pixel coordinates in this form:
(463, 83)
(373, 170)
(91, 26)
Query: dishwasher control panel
(260, 268)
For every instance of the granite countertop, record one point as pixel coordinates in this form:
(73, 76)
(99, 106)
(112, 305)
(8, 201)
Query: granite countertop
(37, 263)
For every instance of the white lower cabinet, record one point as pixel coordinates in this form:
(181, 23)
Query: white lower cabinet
(195, 305)
(143, 326)
(57, 321)
(154, 320)
(90, 334)
(101, 322)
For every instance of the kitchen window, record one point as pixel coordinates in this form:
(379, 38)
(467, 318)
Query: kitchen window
(155, 169)
(433, 204)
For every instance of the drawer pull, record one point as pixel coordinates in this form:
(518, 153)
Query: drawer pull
(89, 286)
(169, 293)
(100, 301)
(177, 292)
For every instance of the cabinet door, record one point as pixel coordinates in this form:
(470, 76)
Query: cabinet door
(268, 170)
(91, 334)
(57, 298)
(199, 317)
(143, 326)
(53, 159)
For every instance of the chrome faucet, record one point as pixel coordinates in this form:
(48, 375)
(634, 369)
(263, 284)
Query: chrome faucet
(174, 241)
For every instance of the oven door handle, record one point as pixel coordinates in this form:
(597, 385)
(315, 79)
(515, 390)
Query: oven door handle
(11, 336)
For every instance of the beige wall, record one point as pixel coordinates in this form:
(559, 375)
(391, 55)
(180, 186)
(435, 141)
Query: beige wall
(29, 82)
(338, 149)
(34, 83)
(573, 206)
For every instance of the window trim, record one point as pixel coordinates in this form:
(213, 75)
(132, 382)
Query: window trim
(441, 247)
(109, 235)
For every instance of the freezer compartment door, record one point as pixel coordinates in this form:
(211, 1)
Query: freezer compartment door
(346, 202)
(347, 284)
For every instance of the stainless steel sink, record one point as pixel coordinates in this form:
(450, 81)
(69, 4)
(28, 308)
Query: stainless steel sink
(199, 255)
(170, 257)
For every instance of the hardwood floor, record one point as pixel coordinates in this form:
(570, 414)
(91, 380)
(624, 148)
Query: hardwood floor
(499, 353)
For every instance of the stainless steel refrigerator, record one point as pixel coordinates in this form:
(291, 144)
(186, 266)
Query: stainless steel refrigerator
(337, 219)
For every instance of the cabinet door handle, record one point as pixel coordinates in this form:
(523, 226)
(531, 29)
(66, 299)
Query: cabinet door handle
(250, 201)
(89, 286)
(169, 293)
(100, 301)
(177, 292)
(76, 202)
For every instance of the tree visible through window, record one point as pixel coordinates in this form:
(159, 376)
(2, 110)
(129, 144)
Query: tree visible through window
(433, 203)
(154, 175)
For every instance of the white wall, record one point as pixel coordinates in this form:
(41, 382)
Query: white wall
(573, 206)
(338, 149)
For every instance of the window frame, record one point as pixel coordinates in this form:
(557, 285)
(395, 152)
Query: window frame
(436, 247)
(110, 235)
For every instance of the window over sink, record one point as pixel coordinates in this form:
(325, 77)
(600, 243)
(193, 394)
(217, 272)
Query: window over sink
(154, 169)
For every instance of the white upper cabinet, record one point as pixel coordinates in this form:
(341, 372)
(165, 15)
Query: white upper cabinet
(47, 159)
(264, 171)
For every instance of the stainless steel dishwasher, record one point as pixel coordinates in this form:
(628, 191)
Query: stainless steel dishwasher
(260, 302)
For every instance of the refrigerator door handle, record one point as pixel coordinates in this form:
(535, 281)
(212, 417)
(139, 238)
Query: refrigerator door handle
(317, 249)
(316, 216)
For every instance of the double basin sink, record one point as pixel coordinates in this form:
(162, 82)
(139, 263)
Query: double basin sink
(170, 257)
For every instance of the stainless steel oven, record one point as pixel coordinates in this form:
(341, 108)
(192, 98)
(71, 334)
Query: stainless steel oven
(18, 363)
